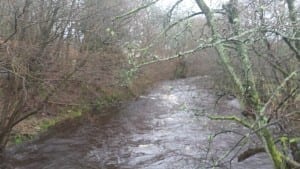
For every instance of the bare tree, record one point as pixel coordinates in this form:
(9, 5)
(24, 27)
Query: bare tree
(265, 80)
(26, 56)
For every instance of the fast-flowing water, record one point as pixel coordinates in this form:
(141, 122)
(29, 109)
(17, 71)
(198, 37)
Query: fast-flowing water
(165, 129)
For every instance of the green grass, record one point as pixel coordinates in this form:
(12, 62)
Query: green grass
(69, 114)
(21, 138)
(47, 124)
(43, 126)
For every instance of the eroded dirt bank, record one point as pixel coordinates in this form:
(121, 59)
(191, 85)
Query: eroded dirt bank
(164, 129)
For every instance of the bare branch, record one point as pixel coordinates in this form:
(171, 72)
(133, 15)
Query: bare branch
(250, 152)
(209, 44)
(136, 10)
(276, 92)
(232, 118)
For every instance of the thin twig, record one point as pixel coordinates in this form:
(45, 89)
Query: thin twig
(136, 10)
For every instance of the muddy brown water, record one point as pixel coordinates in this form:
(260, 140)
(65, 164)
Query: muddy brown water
(164, 129)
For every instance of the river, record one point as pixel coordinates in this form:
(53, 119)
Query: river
(164, 129)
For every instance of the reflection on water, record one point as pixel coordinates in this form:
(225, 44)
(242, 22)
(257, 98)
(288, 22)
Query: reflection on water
(158, 131)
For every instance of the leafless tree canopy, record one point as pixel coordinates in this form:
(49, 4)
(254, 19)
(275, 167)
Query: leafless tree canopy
(251, 48)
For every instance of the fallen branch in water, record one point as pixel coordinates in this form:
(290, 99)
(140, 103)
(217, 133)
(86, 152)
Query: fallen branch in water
(63, 104)
(250, 152)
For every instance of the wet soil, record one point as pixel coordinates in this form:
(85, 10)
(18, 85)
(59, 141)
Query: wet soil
(165, 129)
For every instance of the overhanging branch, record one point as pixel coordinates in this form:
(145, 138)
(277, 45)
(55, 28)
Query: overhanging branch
(211, 43)
(136, 10)
(276, 92)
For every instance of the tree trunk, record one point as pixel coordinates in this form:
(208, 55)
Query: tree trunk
(263, 132)
(296, 30)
